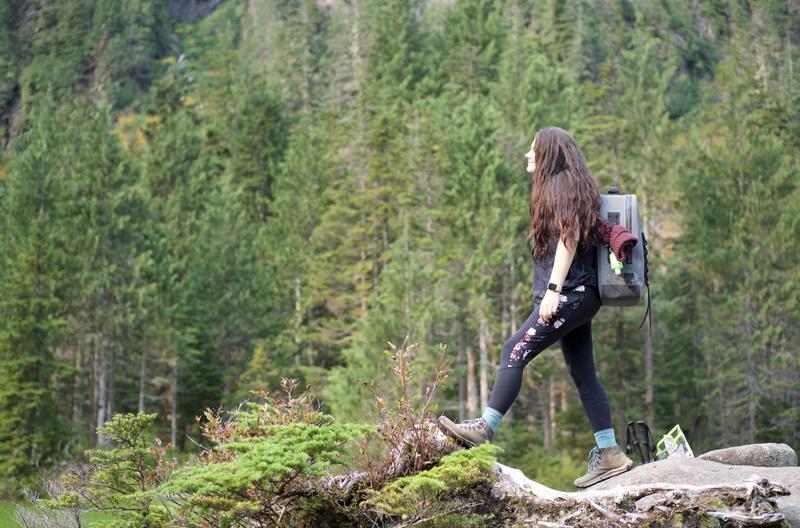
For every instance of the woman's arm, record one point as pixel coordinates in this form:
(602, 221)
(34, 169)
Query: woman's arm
(561, 264)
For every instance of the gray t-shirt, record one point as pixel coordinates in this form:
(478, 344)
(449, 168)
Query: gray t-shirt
(583, 269)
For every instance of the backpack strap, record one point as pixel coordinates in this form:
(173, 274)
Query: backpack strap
(650, 322)
(647, 283)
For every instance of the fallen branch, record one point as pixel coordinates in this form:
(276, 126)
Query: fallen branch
(764, 519)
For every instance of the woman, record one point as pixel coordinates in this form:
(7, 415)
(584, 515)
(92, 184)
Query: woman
(564, 208)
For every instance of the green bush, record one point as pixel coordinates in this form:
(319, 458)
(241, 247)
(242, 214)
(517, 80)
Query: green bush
(121, 480)
(280, 461)
(262, 478)
(439, 488)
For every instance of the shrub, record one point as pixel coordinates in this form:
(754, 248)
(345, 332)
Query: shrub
(443, 489)
(121, 481)
(279, 461)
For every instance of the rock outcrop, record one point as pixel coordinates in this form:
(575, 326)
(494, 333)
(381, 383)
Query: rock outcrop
(666, 492)
(700, 472)
(689, 491)
(763, 455)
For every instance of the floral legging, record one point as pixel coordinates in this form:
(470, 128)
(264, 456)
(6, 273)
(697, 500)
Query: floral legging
(572, 325)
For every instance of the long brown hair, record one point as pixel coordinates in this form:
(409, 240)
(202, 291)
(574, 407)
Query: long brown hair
(564, 196)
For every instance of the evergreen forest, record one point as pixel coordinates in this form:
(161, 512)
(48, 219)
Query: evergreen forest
(203, 199)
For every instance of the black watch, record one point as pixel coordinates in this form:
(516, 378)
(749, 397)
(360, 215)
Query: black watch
(553, 286)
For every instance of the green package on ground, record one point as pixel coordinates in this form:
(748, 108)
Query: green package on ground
(673, 445)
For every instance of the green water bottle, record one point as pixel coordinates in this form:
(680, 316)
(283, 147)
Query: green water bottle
(616, 265)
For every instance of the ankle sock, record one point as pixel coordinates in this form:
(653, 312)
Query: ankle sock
(492, 417)
(605, 438)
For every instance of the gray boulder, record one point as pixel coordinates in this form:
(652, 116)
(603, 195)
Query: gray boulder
(764, 455)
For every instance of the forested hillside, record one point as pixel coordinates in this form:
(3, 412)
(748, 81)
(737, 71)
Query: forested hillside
(198, 198)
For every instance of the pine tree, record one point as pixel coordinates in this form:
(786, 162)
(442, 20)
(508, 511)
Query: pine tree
(473, 40)
(177, 178)
(124, 42)
(356, 231)
(741, 240)
(257, 142)
(34, 262)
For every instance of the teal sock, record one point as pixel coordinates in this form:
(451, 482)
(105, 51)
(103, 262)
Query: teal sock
(605, 438)
(492, 417)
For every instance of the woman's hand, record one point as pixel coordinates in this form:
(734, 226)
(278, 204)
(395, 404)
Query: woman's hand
(548, 306)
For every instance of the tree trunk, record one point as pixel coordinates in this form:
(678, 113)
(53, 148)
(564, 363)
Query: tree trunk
(77, 386)
(547, 425)
(531, 407)
(227, 360)
(408, 283)
(102, 387)
(142, 373)
(384, 259)
(298, 313)
(513, 297)
(505, 322)
(788, 32)
(649, 405)
(111, 382)
(462, 377)
(552, 386)
(355, 43)
(753, 388)
(483, 344)
(174, 404)
(94, 369)
(472, 386)
(307, 59)
(618, 411)
(462, 388)
(298, 337)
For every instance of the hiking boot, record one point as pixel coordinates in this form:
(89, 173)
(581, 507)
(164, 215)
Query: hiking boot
(469, 433)
(604, 463)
